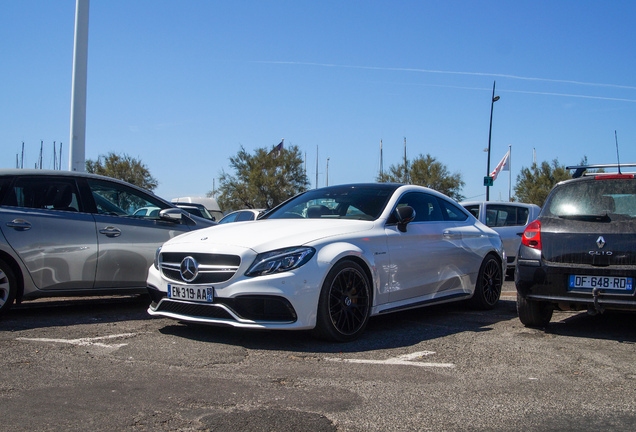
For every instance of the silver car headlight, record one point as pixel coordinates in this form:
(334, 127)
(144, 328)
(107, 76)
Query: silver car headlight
(280, 260)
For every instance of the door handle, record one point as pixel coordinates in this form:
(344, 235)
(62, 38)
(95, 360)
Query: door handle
(19, 225)
(451, 235)
(110, 231)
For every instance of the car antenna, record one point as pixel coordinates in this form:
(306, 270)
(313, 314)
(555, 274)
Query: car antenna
(618, 159)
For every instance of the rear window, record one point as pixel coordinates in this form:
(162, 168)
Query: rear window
(593, 198)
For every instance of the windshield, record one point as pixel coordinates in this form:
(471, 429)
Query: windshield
(594, 198)
(362, 202)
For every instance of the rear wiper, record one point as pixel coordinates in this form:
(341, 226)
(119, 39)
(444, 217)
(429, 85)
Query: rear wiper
(588, 217)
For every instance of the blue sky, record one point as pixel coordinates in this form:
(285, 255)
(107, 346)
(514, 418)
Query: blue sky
(183, 84)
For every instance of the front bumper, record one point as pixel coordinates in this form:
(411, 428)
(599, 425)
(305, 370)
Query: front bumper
(282, 301)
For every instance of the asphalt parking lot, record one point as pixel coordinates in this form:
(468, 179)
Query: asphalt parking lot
(105, 365)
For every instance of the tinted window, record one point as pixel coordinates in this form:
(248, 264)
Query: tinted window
(452, 212)
(427, 208)
(499, 215)
(245, 216)
(229, 218)
(43, 193)
(473, 209)
(118, 200)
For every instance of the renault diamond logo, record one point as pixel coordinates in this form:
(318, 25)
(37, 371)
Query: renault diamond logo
(600, 242)
(189, 269)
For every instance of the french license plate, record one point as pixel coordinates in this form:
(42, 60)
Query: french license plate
(181, 292)
(602, 282)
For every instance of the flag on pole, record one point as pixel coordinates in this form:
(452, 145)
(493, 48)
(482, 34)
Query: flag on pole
(504, 165)
(277, 149)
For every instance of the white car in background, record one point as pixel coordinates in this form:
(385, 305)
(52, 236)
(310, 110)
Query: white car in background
(242, 215)
(508, 219)
(328, 259)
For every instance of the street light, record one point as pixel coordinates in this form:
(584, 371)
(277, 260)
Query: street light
(489, 182)
(327, 172)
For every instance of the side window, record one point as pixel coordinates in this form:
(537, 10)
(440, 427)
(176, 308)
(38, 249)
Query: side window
(229, 218)
(499, 215)
(4, 186)
(473, 209)
(42, 192)
(245, 216)
(427, 208)
(118, 200)
(451, 212)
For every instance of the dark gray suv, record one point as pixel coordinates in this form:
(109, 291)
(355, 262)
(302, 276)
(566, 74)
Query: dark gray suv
(580, 253)
(66, 233)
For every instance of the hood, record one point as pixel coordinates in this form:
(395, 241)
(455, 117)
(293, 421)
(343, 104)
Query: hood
(270, 234)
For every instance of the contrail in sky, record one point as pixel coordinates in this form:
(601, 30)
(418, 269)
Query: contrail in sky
(459, 73)
(531, 92)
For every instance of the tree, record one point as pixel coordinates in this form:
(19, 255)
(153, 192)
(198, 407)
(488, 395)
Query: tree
(262, 180)
(426, 171)
(535, 183)
(123, 167)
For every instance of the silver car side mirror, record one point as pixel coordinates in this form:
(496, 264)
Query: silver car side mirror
(171, 214)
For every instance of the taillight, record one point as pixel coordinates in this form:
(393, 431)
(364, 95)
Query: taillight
(532, 235)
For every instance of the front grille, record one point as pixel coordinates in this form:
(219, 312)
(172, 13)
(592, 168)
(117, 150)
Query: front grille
(213, 268)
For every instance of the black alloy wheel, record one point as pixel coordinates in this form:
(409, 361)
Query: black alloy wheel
(489, 283)
(345, 303)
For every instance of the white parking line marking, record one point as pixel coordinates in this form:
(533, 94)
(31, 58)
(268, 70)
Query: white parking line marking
(405, 360)
(84, 341)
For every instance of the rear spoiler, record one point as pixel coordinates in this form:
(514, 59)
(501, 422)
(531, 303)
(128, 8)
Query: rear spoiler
(580, 169)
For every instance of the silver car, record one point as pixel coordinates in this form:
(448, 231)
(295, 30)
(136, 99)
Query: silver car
(508, 219)
(68, 233)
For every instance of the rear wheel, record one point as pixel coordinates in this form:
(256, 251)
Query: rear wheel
(533, 313)
(488, 287)
(8, 287)
(345, 303)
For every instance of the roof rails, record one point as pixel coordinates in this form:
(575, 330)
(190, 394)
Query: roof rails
(580, 169)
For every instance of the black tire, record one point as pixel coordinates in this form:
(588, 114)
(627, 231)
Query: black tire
(488, 286)
(533, 313)
(8, 287)
(345, 303)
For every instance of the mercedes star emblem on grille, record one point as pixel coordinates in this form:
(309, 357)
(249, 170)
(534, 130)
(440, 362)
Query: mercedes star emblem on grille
(189, 269)
(600, 242)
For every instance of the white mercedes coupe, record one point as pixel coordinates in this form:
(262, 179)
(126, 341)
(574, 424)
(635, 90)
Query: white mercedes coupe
(328, 259)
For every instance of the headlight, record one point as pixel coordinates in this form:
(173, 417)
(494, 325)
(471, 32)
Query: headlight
(280, 260)
(156, 263)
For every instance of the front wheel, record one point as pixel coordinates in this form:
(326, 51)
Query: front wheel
(8, 287)
(533, 313)
(345, 303)
(488, 287)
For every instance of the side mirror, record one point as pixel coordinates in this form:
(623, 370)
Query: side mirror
(404, 216)
(171, 214)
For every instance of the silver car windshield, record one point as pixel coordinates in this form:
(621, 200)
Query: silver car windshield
(361, 202)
